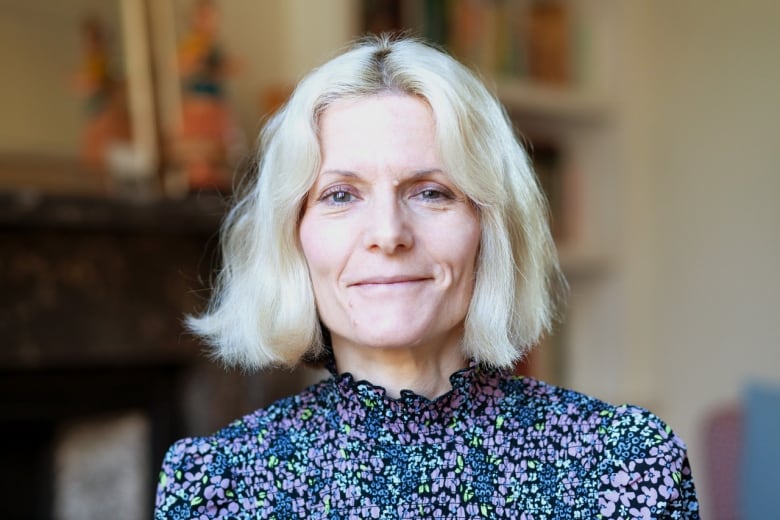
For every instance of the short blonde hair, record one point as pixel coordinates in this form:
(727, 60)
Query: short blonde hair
(263, 309)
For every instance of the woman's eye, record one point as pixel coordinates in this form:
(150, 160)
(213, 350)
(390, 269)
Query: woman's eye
(338, 196)
(341, 196)
(433, 194)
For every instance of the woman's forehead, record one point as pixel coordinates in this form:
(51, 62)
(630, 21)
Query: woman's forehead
(395, 130)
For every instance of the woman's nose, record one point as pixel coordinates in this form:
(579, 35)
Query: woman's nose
(387, 227)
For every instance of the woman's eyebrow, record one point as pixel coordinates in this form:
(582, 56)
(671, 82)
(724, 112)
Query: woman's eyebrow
(425, 172)
(340, 173)
(413, 176)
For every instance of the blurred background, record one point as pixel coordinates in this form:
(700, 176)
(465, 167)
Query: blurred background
(653, 127)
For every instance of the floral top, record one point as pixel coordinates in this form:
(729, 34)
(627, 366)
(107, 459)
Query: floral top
(495, 446)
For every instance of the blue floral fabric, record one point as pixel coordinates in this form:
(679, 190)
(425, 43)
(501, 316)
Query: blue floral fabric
(495, 446)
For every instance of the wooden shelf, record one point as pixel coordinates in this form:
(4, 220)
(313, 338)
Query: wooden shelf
(579, 264)
(198, 213)
(567, 104)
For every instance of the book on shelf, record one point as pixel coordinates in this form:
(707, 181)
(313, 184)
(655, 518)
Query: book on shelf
(522, 39)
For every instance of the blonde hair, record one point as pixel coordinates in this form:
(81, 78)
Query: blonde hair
(263, 310)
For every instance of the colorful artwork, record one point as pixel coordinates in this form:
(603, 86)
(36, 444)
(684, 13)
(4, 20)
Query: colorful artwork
(208, 132)
(103, 96)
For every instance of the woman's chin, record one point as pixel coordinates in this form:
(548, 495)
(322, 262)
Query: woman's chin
(388, 342)
(393, 340)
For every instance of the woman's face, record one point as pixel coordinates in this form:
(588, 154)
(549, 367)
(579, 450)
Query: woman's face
(390, 242)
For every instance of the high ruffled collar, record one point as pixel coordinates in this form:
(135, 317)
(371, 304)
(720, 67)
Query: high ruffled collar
(362, 402)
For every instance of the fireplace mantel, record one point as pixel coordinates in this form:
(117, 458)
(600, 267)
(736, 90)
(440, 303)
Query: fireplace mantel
(102, 281)
(94, 291)
(195, 214)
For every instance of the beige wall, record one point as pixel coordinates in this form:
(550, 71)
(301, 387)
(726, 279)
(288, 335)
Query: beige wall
(701, 249)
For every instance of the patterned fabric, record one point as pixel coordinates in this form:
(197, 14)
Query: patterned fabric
(495, 446)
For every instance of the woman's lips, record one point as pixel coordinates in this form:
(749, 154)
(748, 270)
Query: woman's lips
(389, 280)
(390, 284)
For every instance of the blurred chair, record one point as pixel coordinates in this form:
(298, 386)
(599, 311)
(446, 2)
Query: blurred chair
(723, 445)
(742, 444)
(760, 481)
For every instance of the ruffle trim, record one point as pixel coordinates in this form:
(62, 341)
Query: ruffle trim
(460, 381)
(363, 402)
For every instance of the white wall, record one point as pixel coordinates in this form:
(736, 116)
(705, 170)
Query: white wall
(705, 124)
(693, 288)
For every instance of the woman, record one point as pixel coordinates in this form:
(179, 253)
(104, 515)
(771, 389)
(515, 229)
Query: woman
(396, 234)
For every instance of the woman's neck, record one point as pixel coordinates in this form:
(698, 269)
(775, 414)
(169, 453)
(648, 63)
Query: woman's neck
(424, 372)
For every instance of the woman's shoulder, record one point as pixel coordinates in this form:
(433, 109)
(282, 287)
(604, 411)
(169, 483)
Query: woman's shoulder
(202, 472)
(295, 411)
(531, 393)
(613, 422)
(635, 451)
